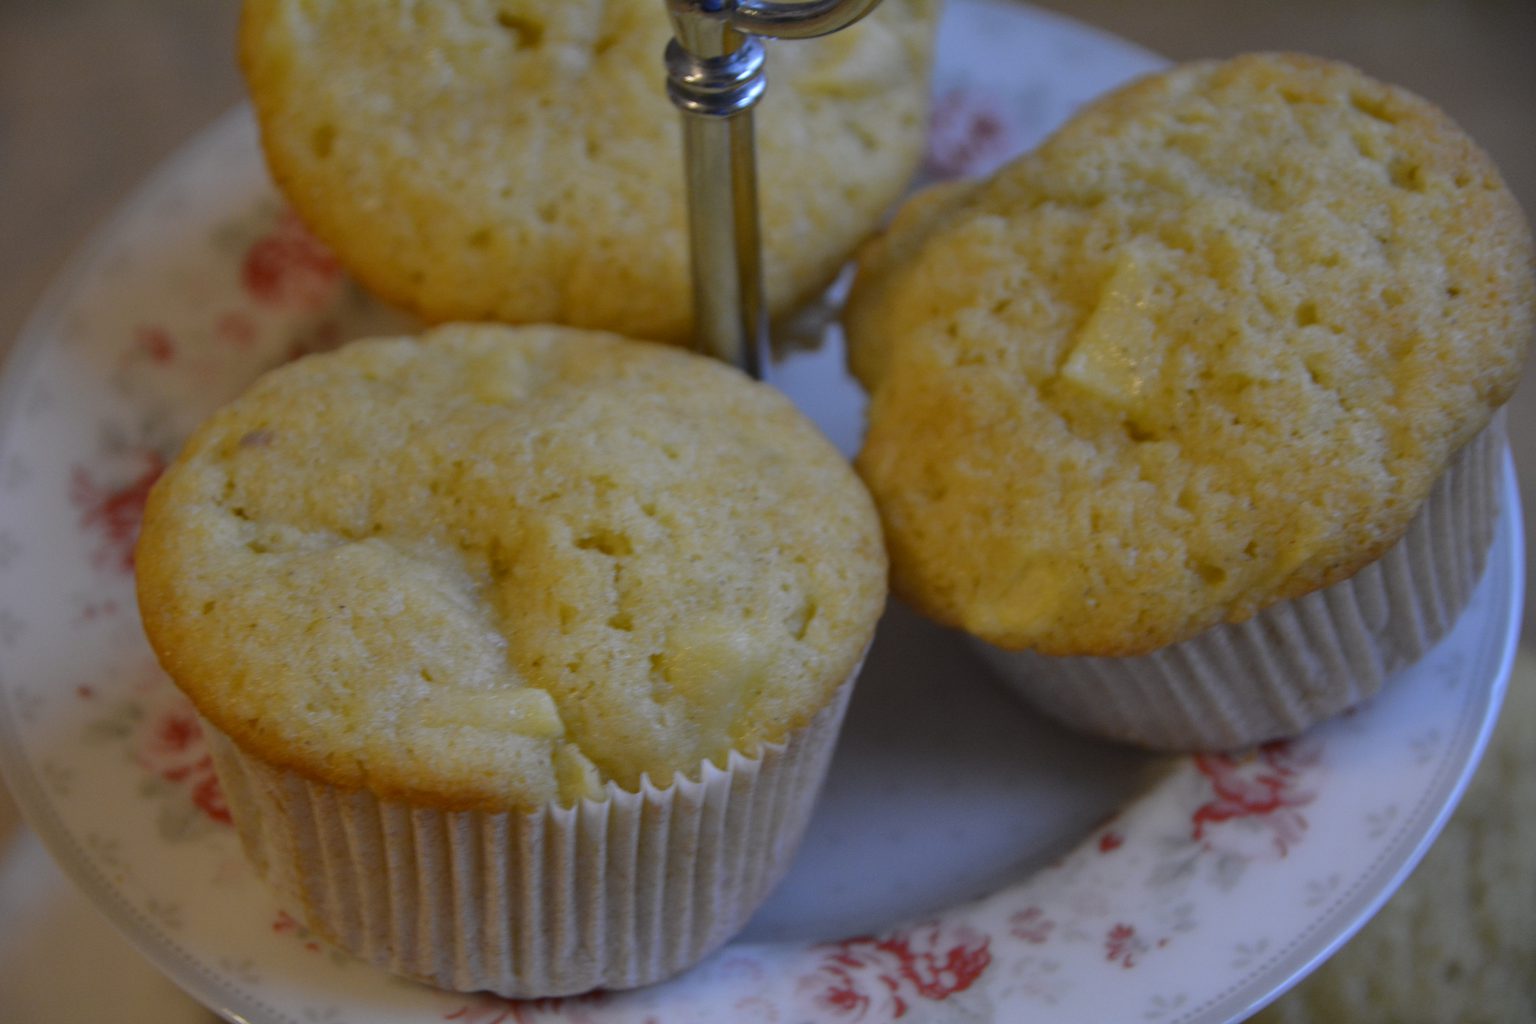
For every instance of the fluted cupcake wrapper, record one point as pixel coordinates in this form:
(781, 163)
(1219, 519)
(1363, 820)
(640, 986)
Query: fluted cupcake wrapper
(611, 893)
(1295, 663)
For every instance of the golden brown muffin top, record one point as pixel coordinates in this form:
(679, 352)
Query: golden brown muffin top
(518, 160)
(497, 567)
(1208, 348)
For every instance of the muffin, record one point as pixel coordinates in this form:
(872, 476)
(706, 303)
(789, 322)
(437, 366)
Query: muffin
(519, 160)
(522, 651)
(1157, 404)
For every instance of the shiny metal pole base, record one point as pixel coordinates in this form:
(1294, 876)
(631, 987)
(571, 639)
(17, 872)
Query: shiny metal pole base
(715, 77)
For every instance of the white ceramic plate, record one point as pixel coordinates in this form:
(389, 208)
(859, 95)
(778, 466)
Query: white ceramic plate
(968, 862)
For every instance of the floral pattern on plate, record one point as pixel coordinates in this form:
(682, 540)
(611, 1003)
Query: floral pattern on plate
(968, 861)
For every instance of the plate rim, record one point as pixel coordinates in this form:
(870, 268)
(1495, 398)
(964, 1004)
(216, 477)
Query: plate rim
(38, 332)
(1506, 641)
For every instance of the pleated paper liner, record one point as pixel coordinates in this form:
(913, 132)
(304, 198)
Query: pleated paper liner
(1295, 663)
(612, 893)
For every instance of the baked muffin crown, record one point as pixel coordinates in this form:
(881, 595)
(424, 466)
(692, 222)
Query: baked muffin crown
(519, 160)
(1206, 349)
(498, 567)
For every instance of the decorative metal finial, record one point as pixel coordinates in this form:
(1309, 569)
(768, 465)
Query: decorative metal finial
(715, 77)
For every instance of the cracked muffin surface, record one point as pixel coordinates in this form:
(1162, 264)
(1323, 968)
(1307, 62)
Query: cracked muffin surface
(518, 160)
(1206, 349)
(496, 567)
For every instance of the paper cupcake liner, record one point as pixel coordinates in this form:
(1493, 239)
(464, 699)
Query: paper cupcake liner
(1295, 663)
(611, 893)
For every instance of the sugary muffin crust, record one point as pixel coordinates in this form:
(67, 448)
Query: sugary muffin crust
(518, 160)
(1207, 349)
(497, 567)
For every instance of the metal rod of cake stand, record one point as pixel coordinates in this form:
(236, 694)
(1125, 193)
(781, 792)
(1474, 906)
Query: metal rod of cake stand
(715, 77)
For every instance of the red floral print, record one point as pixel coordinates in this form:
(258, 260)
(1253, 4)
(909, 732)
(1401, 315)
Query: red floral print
(968, 134)
(1109, 842)
(1261, 787)
(286, 924)
(236, 329)
(91, 611)
(1031, 925)
(155, 343)
(208, 797)
(1123, 946)
(114, 514)
(879, 979)
(171, 747)
(939, 963)
(861, 981)
(288, 269)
